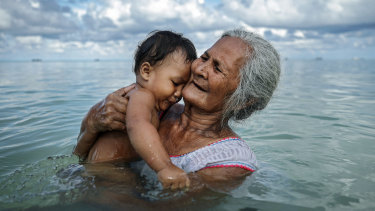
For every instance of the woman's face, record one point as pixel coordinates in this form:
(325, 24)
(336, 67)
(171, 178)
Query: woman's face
(214, 76)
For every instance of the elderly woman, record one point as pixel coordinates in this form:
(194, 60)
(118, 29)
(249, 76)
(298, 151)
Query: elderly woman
(234, 78)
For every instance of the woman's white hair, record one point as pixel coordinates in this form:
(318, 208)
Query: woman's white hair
(258, 78)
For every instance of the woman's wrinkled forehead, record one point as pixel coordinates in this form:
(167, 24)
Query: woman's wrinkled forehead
(231, 52)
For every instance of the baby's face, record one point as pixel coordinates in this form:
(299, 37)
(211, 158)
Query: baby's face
(168, 79)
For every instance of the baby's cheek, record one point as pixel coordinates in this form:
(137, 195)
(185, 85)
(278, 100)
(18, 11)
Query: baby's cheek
(164, 105)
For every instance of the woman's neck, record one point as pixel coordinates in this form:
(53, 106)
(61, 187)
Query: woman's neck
(208, 124)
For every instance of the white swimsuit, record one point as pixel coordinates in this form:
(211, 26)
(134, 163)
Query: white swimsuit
(228, 152)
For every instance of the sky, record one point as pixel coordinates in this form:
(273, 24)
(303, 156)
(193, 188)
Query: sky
(112, 29)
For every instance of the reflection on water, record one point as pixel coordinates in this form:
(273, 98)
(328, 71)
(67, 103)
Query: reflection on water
(314, 142)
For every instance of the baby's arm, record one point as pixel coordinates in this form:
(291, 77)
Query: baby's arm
(145, 139)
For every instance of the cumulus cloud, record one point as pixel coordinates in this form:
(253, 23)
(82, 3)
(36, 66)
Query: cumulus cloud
(112, 28)
(294, 14)
(45, 18)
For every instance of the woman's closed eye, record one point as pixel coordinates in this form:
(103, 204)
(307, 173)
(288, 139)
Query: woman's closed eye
(217, 68)
(204, 58)
(174, 83)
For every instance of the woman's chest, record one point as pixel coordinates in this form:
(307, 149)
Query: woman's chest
(178, 142)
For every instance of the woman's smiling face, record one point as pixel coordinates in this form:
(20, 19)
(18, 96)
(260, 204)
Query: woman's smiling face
(214, 76)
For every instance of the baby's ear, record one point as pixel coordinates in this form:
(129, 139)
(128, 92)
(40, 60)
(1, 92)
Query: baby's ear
(145, 70)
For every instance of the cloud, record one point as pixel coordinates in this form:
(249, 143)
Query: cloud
(292, 14)
(5, 19)
(44, 18)
(112, 28)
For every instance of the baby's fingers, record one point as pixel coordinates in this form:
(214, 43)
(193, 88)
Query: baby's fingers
(181, 183)
(187, 183)
(166, 185)
(184, 184)
(175, 185)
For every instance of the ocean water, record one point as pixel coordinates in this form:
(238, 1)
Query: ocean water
(315, 142)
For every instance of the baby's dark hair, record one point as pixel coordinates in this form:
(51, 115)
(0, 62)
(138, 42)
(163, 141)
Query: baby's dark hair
(159, 44)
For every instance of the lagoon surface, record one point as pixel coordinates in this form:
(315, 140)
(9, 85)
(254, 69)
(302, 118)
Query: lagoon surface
(315, 142)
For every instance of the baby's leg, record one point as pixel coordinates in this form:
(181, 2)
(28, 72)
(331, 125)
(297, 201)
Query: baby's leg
(112, 147)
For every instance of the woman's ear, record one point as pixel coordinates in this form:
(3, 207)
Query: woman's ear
(145, 71)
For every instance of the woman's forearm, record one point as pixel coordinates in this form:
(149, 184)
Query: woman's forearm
(86, 138)
(107, 115)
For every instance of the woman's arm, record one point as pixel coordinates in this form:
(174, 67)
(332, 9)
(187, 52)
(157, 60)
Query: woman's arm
(217, 179)
(107, 115)
(222, 179)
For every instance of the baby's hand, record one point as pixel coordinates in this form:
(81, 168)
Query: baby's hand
(173, 177)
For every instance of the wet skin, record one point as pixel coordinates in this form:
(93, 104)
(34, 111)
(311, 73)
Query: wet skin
(214, 76)
(158, 87)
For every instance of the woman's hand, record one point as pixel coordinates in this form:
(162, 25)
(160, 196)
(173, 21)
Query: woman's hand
(107, 115)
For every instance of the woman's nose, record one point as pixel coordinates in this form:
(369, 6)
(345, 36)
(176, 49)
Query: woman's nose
(201, 69)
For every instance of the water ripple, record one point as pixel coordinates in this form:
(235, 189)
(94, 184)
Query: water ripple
(314, 142)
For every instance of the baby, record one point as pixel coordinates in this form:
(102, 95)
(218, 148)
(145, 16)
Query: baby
(162, 68)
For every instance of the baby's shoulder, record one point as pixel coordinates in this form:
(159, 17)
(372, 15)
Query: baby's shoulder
(140, 93)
